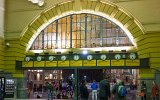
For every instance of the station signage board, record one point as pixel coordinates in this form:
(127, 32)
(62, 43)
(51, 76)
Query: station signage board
(80, 60)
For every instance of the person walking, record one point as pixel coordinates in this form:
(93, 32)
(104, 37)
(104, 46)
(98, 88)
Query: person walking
(117, 91)
(143, 91)
(84, 94)
(94, 88)
(104, 87)
(131, 92)
(50, 91)
(155, 91)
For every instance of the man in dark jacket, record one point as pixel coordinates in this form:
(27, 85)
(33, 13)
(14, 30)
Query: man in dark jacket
(84, 91)
(104, 87)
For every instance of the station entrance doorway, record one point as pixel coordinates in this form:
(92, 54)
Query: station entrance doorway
(66, 82)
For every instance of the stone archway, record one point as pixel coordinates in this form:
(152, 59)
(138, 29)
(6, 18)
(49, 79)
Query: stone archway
(106, 9)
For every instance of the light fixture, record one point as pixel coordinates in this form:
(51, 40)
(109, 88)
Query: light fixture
(85, 52)
(58, 52)
(36, 54)
(46, 53)
(39, 2)
(97, 51)
(123, 50)
(70, 52)
(7, 44)
(110, 51)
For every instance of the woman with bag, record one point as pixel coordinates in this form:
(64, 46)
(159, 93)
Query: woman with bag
(155, 91)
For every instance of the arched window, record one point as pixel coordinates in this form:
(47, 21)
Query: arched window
(81, 31)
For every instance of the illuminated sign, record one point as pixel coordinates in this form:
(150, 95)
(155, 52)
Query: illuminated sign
(103, 62)
(79, 60)
(76, 63)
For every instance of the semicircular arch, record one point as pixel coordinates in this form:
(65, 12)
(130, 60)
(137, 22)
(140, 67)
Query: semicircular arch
(106, 9)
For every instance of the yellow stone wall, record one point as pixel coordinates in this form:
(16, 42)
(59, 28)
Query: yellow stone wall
(2, 35)
(2, 53)
(23, 20)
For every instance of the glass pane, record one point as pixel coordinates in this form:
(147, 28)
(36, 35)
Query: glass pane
(99, 29)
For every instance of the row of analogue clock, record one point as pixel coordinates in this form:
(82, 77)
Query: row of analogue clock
(132, 56)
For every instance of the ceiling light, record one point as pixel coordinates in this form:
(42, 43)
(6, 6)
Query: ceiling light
(39, 2)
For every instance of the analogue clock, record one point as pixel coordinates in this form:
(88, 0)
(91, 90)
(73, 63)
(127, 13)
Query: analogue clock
(89, 57)
(103, 57)
(132, 56)
(39, 58)
(117, 56)
(27, 59)
(76, 57)
(51, 58)
(63, 58)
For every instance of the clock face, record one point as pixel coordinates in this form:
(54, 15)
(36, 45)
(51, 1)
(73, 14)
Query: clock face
(27, 59)
(117, 56)
(39, 58)
(89, 57)
(51, 58)
(76, 57)
(103, 57)
(63, 58)
(132, 56)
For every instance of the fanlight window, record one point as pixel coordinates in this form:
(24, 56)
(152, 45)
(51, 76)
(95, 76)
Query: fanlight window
(81, 31)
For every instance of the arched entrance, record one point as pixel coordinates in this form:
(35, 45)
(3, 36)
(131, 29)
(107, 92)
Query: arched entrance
(126, 24)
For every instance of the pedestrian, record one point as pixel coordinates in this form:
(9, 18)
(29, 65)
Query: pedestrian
(94, 88)
(104, 87)
(117, 91)
(155, 91)
(143, 91)
(131, 93)
(84, 91)
(50, 91)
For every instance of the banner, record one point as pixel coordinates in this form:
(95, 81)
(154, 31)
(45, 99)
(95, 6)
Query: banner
(27, 64)
(117, 62)
(76, 63)
(63, 63)
(103, 62)
(39, 63)
(89, 63)
(132, 62)
(51, 63)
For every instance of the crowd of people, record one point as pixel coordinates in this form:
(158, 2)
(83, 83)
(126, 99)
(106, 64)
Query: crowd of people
(60, 90)
(118, 91)
(104, 90)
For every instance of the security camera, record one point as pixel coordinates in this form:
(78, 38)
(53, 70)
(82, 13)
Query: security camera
(8, 44)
